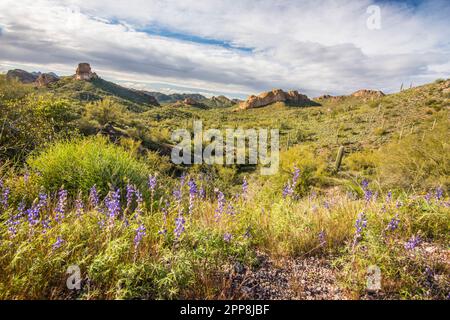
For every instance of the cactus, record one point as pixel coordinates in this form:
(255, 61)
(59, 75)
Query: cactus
(339, 157)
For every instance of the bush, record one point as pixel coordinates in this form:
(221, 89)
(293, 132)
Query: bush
(416, 163)
(80, 164)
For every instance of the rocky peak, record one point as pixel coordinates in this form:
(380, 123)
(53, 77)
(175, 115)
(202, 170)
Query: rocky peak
(276, 95)
(364, 93)
(22, 76)
(84, 72)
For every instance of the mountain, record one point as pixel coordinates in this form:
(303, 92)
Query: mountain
(174, 97)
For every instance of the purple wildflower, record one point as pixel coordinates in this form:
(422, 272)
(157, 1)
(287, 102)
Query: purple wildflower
(428, 197)
(58, 243)
(152, 183)
(112, 203)
(5, 197)
(322, 238)
(179, 226)
(399, 204)
(365, 184)
(140, 204)
(289, 188)
(368, 195)
(220, 204)
(93, 197)
(360, 225)
(244, 187)
(393, 224)
(413, 242)
(202, 193)
(14, 220)
(389, 196)
(439, 193)
(130, 192)
(79, 206)
(227, 237)
(61, 207)
(165, 211)
(140, 233)
(192, 194)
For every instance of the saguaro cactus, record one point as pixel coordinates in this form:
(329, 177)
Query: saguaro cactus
(339, 157)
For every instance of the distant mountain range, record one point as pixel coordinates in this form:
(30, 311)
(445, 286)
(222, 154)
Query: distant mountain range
(86, 86)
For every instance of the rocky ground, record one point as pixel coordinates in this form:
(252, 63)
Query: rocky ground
(308, 278)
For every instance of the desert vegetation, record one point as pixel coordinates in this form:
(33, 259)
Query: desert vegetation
(86, 180)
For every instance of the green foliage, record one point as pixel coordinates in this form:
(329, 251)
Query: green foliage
(81, 164)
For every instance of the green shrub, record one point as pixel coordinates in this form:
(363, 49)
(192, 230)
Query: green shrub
(80, 164)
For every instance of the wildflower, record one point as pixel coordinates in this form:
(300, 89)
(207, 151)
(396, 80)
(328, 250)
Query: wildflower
(248, 233)
(439, 193)
(220, 204)
(326, 204)
(58, 243)
(244, 188)
(34, 212)
(365, 184)
(5, 197)
(46, 224)
(322, 238)
(179, 226)
(413, 242)
(140, 202)
(398, 204)
(61, 207)
(288, 189)
(129, 196)
(165, 211)
(79, 206)
(368, 195)
(152, 183)
(93, 197)
(140, 233)
(389, 196)
(192, 193)
(360, 225)
(227, 237)
(112, 203)
(393, 224)
(428, 197)
(14, 220)
(26, 176)
(202, 193)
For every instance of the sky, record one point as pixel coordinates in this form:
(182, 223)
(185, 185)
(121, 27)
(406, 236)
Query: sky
(235, 48)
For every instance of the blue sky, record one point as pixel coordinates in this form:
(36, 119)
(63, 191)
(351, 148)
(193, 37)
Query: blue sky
(212, 47)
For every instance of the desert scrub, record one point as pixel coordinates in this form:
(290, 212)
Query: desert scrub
(82, 163)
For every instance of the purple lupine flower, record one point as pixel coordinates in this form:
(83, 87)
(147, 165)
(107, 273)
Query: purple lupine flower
(93, 197)
(295, 176)
(230, 209)
(140, 233)
(248, 233)
(413, 242)
(393, 224)
(287, 190)
(26, 176)
(202, 193)
(182, 180)
(46, 224)
(192, 194)
(365, 184)
(79, 206)
(326, 204)
(439, 193)
(5, 196)
(112, 202)
(389, 196)
(14, 220)
(34, 212)
(58, 243)
(360, 225)
(140, 204)
(130, 192)
(165, 211)
(428, 197)
(220, 204)
(179, 226)
(398, 204)
(227, 237)
(322, 238)
(152, 183)
(244, 187)
(61, 206)
(368, 194)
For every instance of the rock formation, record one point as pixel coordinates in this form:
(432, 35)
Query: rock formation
(364, 93)
(46, 78)
(22, 76)
(277, 95)
(84, 72)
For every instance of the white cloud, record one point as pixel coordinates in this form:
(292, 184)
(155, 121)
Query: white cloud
(311, 46)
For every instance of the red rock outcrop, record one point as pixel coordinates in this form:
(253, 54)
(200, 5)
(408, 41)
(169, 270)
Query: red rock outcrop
(84, 72)
(276, 95)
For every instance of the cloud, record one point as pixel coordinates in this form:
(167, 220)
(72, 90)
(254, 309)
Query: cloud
(315, 47)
